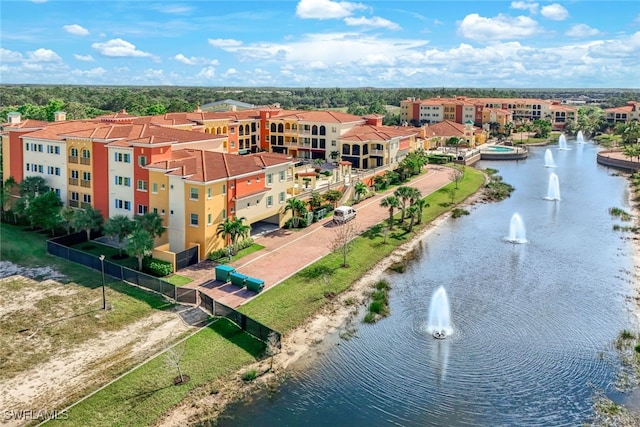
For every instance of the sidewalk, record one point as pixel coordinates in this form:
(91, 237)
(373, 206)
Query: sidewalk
(288, 251)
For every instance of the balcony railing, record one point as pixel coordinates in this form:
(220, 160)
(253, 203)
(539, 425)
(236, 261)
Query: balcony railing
(74, 203)
(73, 159)
(73, 181)
(84, 205)
(85, 161)
(376, 152)
(85, 183)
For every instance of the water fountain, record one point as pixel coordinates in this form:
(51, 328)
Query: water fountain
(562, 143)
(517, 231)
(580, 137)
(548, 159)
(439, 315)
(553, 189)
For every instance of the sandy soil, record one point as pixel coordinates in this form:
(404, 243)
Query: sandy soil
(335, 319)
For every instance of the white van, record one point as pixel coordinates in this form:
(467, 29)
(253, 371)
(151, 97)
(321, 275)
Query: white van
(343, 214)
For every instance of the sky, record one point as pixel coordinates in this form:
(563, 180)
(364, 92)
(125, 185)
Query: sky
(322, 43)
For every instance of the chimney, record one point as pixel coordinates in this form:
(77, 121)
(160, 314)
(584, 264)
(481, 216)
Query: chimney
(197, 110)
(59, 116)
(13, 118)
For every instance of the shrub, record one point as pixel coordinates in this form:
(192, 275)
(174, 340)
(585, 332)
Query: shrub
(215, 255)
(457, 212)
(369, 318)
(249, 375)
(157, 267)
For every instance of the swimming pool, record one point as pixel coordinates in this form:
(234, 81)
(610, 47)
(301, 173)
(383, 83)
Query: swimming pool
(498, 149)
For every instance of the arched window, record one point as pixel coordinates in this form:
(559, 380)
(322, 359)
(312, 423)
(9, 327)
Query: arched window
(273, 127)
(247, 129)
(294, 127)
(280, 128)
(73, 152)
(86, 154)
(365, 149)
(355, 150)
(287, 126)
(206, 130)
(314, 130)
(323, 130)
(345, 149)
(241, 131)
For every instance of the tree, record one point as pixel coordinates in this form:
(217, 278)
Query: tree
(174, 356)
(456, 175)
(390, 203)
(508, 127)
(119, 227)
(412, 213)
(272, 348)
(403, 193)
(44, 211)
(360, 189)
(344, 234)
(152, 222)
(87, 219)
(297, 208)
(315, 201)
(66, 218)
(379, 182)
(232, 229)
(333, 196)
(139, 244)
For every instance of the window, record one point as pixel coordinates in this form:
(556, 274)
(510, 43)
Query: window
(26, 147)
(224, 188)
(162, 212)
(127, 205)
(40, 168)
(248, 182)
(155, 211)
(40, 148)
(232, 185)
(224, 214)
(28, 166)
(162, 186)
(281, 176)
(193, 193)
(75, 196)
(209, 193)
(142, 209)
(74, 174)
(209, 219)
(194, 219)
(281, 197)
(269, 201)
(57, 171)
(73, 152)
(154, 187)
(86, 198)
(86, 176)
(142, 185)
(142, 160)
(56, 150)
(122, 157)
(86, 154)
(269, 179)
(258, 179)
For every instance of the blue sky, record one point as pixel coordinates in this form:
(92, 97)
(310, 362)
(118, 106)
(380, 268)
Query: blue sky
(322, 43)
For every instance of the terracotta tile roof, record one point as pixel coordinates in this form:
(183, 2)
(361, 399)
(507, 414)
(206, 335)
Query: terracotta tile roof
(270, 159)
(379, 133)
(447, 128)
(25, 124)
(205, 166)
(56, 130)
(320, 116)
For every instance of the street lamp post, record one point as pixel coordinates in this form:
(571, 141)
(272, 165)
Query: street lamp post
(104, 296)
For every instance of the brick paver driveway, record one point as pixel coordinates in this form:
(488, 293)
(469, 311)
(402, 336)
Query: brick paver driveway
(286, 252)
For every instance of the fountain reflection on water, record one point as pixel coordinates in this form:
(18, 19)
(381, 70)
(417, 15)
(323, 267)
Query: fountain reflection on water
(553, 189)
(439, 315)
(517, 230)
(548, 159)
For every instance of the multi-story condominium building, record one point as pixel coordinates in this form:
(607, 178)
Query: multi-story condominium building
(624, 114)
(462, 109)
(195, 190)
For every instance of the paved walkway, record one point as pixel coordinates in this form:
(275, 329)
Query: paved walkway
(288, 251)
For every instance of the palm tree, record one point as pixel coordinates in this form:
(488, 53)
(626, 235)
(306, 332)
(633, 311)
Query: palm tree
(152, 222)
(508, 127)
(225, 230)
(391, 203)
(66, 215)
(297, 208)
(232, 229)
(360, 190)
(403, 193)
(421, 204)
(139, 244)
(412, 213)
(119, 227)
(333, 196)
(87, 219)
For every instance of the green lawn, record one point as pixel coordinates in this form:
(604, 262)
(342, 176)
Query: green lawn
(141, 397)
(177, 280)
(293, 301)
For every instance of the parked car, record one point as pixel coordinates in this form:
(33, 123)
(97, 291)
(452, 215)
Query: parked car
(343, 214)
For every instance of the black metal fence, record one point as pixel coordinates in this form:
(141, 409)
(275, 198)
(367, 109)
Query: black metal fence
(60, 247)
(187, 257)
(245, 323)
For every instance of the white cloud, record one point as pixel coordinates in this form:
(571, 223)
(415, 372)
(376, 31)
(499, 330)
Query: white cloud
(581, 30)
(43, 55)
(94, 72)
(193, 60)
(525, 5)
(225, 43)
(371, 22)
(76, 30)
(230, 72)
(502, 27)
(119, 48)
(85, 58)
(173, 9)
(207, 73)
(555, 12)
(7, 55)
(326, 9)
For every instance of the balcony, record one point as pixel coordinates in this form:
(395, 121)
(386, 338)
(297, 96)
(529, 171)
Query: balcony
(74, 203)
(85, 183)
(73, 181)
(84, 205)
(379, 153)
(85, 161)
(73, 159)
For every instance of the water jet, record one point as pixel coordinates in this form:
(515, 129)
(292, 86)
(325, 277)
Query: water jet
(439, 315)
(553, 188)
(517, 231)
(548, 159)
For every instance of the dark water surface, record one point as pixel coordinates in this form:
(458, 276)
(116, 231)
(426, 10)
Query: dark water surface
(533, 323)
